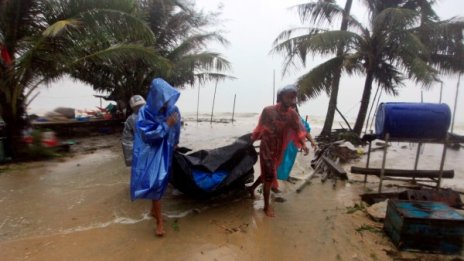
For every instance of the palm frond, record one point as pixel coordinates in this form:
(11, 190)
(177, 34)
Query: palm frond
(319, 79)
(444, 39)
(320, 13)
(59, 26)
(323, 13)
(123, 26)
(202, 78)
(120, 54)
(205, 61)
(421, 72)
(389, 78)
(297, 31)
(395, 19)
(353, 64)
(195, 43)
(316, 42)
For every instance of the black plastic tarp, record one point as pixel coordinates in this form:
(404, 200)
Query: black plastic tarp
(237, 159)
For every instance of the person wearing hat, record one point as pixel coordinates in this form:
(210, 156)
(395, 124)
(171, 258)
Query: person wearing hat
(278, 125)
(135, 102)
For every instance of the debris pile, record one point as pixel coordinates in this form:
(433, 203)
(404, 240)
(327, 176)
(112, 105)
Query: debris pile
(329, 157)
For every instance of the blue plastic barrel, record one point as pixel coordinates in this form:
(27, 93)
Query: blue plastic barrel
(413, 120)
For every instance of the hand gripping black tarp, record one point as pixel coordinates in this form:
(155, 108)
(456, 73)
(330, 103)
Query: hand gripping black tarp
(237, 159)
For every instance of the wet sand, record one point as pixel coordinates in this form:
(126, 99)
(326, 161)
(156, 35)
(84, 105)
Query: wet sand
(79, 209)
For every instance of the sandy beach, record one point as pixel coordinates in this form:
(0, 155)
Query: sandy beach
(78, 208)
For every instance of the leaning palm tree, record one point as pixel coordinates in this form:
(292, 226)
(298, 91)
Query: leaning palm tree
(50, 38)
(318, 12)
(387, 51)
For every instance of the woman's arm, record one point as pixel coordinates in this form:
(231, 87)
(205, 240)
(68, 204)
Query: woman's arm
(311, 140)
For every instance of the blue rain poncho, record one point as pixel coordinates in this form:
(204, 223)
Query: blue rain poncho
(154, 142)
(286, 165)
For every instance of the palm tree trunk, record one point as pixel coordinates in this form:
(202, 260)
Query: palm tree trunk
(364, 103)
(14, 126)
(329, 117)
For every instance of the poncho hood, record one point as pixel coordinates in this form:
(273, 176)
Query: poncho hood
(161, 93)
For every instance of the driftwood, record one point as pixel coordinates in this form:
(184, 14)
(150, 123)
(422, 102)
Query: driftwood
(325, 162)
(335, 167)
(402, 173)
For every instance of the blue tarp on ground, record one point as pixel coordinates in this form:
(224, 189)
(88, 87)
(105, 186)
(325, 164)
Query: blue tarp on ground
(208, 181)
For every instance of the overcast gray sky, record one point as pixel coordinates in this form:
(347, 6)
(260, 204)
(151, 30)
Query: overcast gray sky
(251, 26)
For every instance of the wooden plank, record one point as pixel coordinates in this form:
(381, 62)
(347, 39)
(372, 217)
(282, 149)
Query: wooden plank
(449, 174)
(335, 167)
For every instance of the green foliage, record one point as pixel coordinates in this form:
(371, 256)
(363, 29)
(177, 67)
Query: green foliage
(180, 35)
(368, 228)
(175, 225)
(404, 39)
(351, 137)
(114, 45)
(355, 207)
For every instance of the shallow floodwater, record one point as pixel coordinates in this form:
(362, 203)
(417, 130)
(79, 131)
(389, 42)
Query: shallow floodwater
(80, 209)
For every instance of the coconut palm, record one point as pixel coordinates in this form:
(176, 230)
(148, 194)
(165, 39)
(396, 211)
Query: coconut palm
(49, 38)
(315, 13)
(387, 51)
(180, 38)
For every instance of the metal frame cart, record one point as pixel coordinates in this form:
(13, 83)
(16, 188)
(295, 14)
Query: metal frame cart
(400, 174)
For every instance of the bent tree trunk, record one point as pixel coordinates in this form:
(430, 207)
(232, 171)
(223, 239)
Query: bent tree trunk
(364, 103)
(329, 118)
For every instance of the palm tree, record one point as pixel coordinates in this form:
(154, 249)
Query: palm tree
(180, 38)
(317, 12)
(49, 38)
(387, 51)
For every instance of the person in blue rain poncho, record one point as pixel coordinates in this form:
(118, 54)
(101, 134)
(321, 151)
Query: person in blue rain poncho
(157, 134)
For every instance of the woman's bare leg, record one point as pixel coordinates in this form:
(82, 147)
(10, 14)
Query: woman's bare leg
(156, 212)
(267, 192)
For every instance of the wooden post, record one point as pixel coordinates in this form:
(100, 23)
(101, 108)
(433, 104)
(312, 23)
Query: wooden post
(214, 99)
(273, 89)
(455, 102)
(416, 163)
(442, 163)
(441, 92)
(198, 103)
(233, 108)
(382, 171)
(368, 159)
